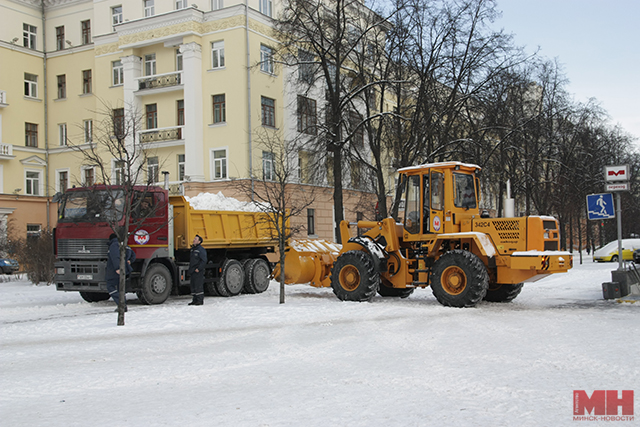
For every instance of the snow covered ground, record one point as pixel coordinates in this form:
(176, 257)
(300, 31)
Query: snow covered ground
(315, 361)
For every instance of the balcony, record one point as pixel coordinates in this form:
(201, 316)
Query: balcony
(161, 135)
(159, 83)
(6, 151)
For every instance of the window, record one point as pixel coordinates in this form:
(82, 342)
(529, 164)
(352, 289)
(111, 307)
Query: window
(88, 176)
(63, 181)
(220, 164)
(266, 59)
(217, 4)
(31, 134)
(88, 131)
(152, 116)
(178, 60)
(219, 109)
(86, 31)
(33, 231)
(118, 172)
(181, 4)
(181, 112)
(152, 170)
(307, 115)
(29, 36)
(118, 123)
(150, 64)
(265, 7)
(116, 15)
(62, 133)
(62, 86)
(267, 166)
(306, 67)
(149, 8)
(30, 85)
(464, 191)
(217, 54)
(32, 183)
(86, 81)
(357, 130)
(180, 167)
(117, 73)
(60, 38)
(268, 112)
(311, 222)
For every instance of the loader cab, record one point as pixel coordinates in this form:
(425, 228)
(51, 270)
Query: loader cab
(436, 198)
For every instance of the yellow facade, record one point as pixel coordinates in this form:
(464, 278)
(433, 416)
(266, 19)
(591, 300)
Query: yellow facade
(90, 57)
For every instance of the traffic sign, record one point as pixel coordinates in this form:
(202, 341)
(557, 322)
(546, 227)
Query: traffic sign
(620, 186)
(600, 206)
(616, 173)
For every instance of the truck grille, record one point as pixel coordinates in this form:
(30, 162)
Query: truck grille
(507, 229)
(82, 248)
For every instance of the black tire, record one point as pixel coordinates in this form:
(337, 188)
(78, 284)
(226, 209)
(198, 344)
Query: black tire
(231, 279)
(459, 279)
(614, 258)
(354, 278)
(94, 296)
(388, 291)
(503, 293)
(257, 276)
(156, 285)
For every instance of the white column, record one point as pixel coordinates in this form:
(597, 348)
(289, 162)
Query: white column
(192, 133)
(132, 66)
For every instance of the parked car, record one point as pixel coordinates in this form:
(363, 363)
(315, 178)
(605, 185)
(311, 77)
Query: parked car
(9, 266)
(609, 252)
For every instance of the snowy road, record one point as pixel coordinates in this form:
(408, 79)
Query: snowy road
(315, 361)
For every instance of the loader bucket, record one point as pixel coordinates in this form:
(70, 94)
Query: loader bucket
(308, 261)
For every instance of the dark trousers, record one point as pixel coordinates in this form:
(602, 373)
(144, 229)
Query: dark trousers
(112, 288)
(197, 286)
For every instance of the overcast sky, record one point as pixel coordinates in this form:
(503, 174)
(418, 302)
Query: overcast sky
(596, 41)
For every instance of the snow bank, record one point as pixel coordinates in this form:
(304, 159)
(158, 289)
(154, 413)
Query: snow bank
(218, 202)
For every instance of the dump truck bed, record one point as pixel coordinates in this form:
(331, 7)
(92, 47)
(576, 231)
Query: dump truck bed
(220, 229)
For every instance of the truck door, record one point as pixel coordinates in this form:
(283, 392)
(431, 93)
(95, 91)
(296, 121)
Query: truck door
(437, 202)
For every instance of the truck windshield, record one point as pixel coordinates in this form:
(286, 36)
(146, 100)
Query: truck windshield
(465, 191)
(92, 206)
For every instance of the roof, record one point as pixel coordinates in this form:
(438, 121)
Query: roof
(447, 165)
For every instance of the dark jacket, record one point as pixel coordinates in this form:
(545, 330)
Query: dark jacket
(113, 260)
(197, 259)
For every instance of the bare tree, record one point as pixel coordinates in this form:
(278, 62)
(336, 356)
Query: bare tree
(121, 161)
(276, 191)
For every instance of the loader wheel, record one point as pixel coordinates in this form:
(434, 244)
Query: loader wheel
(257, 275)
(94, 296)
(503, 293)
(388, 291)
(459, 279)
(156, 285)
(231, 279)
(354, 278)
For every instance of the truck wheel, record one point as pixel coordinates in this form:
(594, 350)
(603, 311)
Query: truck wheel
(94, 296)
(231, 279)
(389, 291)
(503, 293)
(257, 275)
(459, 279)
(156, 285)
(354, 278)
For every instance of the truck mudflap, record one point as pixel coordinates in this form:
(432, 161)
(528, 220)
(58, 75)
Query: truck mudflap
(531, 266)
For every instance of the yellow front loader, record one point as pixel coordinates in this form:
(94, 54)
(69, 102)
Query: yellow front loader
(440, 240)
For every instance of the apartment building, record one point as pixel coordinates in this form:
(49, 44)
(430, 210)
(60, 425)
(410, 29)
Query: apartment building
(201, 78)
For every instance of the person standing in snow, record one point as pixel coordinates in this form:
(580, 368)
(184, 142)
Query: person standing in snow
(197, 262)
(112, 270)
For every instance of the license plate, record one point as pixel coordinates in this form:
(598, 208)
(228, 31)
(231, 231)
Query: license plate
(85, 276)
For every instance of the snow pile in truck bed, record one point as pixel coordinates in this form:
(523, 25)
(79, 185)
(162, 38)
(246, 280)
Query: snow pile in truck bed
(218, 202)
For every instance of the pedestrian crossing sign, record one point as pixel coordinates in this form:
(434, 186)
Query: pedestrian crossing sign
(600, 206)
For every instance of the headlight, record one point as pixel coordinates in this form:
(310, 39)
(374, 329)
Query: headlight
(60, 270)
(546, 234)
